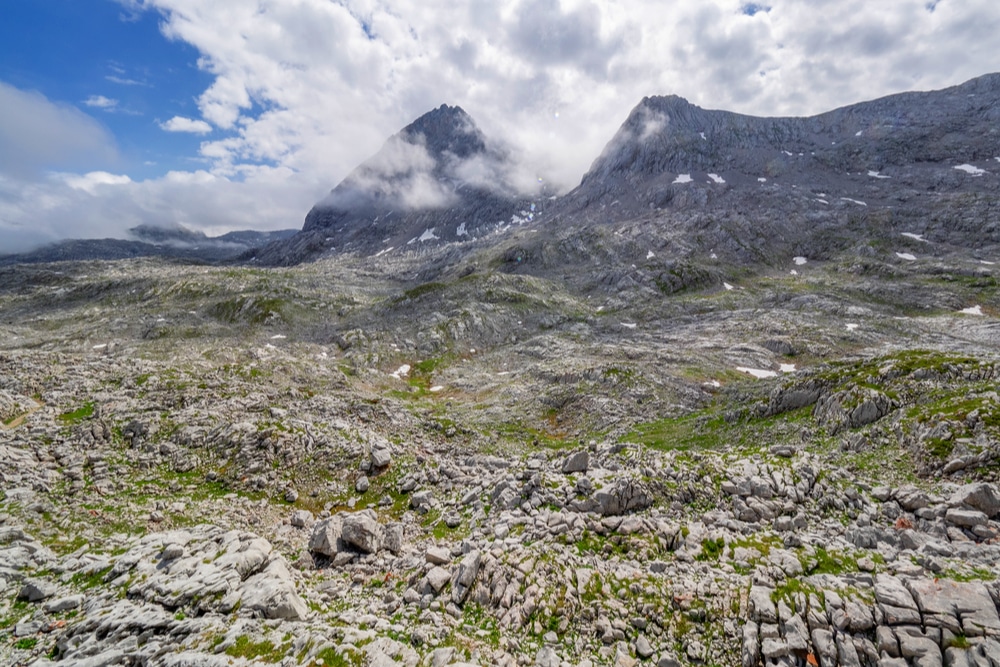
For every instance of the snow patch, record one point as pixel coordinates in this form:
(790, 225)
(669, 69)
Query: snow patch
(915, 237)
(629, 325)
(714, 256)
(757, 372)
(986, 262)
(683, 178)
(971, 170)
(822, 201)
(788, 153)
(728, 287)
(436, 388)
(974, 310)
(101, 346)
(278, 337)
(382, 252)
(702, 135)
(718, 179)
(875, 174)
(800, 261)
(787, 368)
(851, 326)
(401, 371)
(761, 179)
(650, 255)
(905, 255)
(713, 383)
(794, 272)
(854, 201)
(858, 133)
(461, 231)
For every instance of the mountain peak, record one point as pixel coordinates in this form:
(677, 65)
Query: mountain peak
(446, 129)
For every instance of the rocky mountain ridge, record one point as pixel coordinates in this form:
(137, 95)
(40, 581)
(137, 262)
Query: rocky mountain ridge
(150, 241)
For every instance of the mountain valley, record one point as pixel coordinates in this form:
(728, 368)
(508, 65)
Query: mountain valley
(731, 401)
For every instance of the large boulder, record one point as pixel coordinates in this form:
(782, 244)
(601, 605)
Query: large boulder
(625, 495)
(362, 530)
(982, 496)
(271, 594)
(325, 538)
(465, 576)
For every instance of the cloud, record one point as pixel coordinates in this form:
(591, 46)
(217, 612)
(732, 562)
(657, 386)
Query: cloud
(182, 124)
(101, 102)
(123, 81)
(90, 182)
(302, 92)
(106, 205)
(37, 134)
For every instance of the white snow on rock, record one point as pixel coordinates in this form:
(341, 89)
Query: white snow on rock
(428, 235)
(854, 201)
(757, 372)
(875, 174)
(714, 256)
(650, 255)
(629, 325)
(905, 255)
(787, 368)
(382, 252)
(971, 170)
(794, 272)
(461, 231)
(915, 237)
(997, 159)
(278, 336)
(713, 383)
(401, 371)
(974, 310)
(702, 135)
(101, 346)
(436, 388)
(799, 261)
(858, 133)
(987, 263)
(761, 179)
(728, 287)
(683, 178)
(851, 326)
(788, 153)
(822, 201)
(717, 178)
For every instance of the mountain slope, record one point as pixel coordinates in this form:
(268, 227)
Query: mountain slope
(438, 179)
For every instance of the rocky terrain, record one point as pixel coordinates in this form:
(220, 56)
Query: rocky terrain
(569, 442)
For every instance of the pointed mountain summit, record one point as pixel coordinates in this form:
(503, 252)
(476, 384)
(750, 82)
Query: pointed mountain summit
(438, 180)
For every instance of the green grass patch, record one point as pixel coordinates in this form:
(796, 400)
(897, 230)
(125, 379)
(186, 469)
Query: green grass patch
(265, 650)
(84, 412)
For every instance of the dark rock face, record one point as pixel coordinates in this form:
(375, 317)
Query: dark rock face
(761, 189)
(439, 179)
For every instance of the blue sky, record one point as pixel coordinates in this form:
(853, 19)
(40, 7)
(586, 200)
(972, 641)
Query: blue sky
(241, 114)
(113, 64)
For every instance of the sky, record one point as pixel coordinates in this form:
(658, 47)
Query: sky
(241, 114)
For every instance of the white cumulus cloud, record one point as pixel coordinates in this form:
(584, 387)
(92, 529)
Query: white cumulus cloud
(182, 124)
